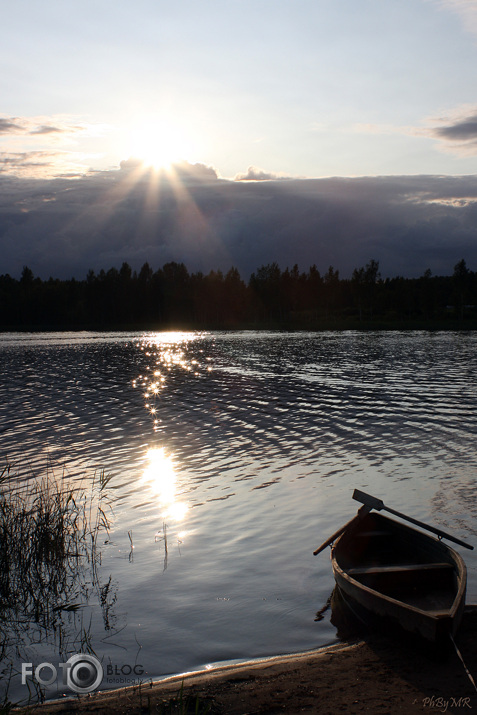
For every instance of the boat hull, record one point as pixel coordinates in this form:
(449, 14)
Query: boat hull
(398, 573)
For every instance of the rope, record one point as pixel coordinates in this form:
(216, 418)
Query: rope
(469, 675)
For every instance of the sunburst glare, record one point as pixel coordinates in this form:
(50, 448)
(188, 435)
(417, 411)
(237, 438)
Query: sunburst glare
(159, 145)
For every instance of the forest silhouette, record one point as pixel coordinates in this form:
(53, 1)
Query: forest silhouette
(172, 297)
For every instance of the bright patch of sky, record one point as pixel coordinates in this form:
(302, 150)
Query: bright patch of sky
(296, 87)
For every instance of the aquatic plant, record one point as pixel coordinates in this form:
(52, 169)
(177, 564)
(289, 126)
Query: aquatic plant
(47, 527)
(49, 557)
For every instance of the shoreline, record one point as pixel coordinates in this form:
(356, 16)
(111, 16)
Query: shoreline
(323, 326)
(372, 674)
(204, 676)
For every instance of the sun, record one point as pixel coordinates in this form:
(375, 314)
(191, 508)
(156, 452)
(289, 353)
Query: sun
(159, 145)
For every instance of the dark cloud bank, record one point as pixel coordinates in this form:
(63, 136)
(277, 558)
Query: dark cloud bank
(64, 227)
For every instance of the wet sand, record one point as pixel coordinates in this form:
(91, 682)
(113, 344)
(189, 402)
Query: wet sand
(375, 675)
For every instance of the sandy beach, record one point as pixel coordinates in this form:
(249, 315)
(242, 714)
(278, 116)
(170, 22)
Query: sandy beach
(374, 674)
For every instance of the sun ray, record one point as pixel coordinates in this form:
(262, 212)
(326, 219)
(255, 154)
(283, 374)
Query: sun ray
(151, 185)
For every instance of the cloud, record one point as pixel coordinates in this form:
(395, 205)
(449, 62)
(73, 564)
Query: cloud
(254, 173)
(47, 129)
(183, 170)
(32, 126)
(463, 130)
(131, 164)
(65, 227)
(42, 147)
(43, 137)
(10, 126)
(16, 162)
(456, 132)
(194, 171)
(39, 164)
(466, 9)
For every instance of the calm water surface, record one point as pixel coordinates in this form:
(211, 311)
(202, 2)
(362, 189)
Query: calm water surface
(232, 456)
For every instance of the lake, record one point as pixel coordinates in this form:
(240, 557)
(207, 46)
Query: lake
(231, 456)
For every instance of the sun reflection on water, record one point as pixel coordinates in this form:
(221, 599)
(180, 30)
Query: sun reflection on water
(166, 352)
(160, 478)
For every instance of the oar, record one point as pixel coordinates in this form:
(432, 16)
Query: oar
(362, 511)
(377, 504)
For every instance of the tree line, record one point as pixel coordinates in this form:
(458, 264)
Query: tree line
(173, 297)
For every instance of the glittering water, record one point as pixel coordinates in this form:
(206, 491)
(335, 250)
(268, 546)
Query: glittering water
(232, 456)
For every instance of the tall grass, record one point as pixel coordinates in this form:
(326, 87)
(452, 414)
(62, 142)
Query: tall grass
(47, 530)
(50, 531)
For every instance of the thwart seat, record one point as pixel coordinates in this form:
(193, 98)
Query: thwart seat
(401, 568)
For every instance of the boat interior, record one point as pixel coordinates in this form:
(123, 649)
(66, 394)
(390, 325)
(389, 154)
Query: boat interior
(399, 563)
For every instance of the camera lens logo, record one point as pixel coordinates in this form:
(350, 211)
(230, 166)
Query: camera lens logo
(84, 673)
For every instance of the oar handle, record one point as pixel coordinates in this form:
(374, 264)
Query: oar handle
(362, 511)
(441, 534)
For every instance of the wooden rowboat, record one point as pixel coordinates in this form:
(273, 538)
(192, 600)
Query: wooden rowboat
(394, 571)
(389, 569)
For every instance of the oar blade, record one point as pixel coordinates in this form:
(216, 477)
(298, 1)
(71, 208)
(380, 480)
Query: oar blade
(378, 504)
(368, 500)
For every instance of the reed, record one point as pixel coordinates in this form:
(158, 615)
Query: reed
(49, 557)
(48, 528)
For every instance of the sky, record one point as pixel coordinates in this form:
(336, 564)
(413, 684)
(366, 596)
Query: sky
(287, 93)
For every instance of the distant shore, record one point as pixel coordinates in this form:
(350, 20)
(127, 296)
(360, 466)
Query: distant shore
(375, 675)
(313, 326)
(173, 298)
